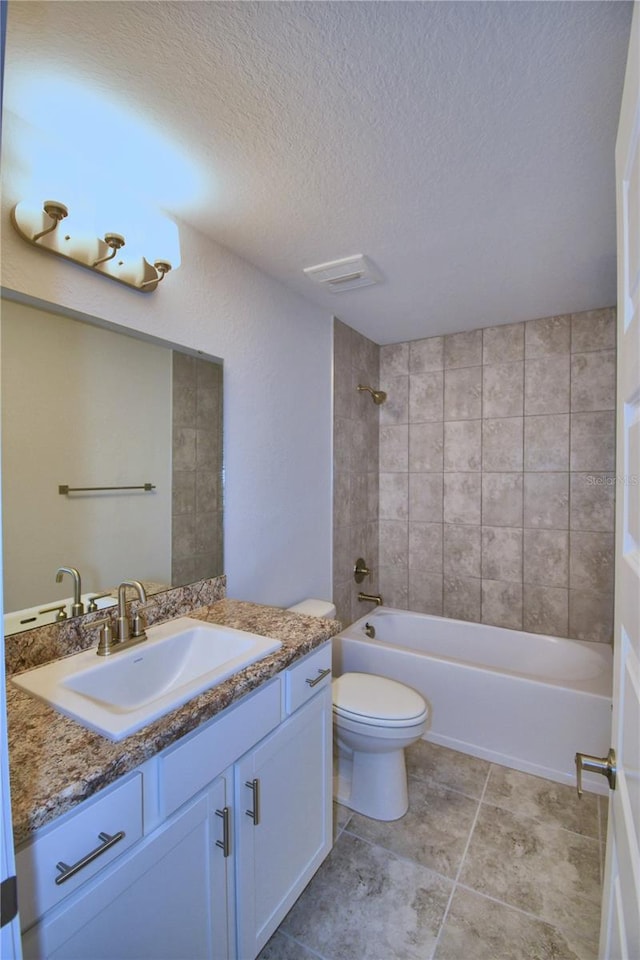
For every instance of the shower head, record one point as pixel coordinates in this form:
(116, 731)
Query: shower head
(379, 396)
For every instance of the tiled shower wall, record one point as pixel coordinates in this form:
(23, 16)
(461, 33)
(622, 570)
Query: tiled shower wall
(496, 484)
(197, 491)
(355, 469)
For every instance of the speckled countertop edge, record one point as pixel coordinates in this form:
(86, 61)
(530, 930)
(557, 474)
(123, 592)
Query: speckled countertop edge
(55, 763)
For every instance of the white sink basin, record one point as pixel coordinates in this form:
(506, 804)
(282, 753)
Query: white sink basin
(119, 694)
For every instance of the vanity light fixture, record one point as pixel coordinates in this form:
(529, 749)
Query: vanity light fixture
(39, 225)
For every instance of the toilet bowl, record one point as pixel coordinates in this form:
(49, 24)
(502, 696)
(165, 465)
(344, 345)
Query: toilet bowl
(374, 719)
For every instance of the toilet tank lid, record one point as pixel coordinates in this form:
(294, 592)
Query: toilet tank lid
(315, 608)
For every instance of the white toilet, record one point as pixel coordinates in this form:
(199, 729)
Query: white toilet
(374, 719)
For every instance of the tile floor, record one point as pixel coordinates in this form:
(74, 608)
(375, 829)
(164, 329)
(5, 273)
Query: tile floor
(488, 864)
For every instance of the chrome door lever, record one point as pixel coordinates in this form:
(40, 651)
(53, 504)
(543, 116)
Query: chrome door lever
(604, 765)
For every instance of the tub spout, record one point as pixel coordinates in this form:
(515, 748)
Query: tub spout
(370, 598)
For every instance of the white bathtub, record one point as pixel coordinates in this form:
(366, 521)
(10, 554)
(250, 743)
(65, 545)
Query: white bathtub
(523, 700)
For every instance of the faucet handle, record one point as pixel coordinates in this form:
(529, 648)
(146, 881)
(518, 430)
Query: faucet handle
(106, 636)
(138, 626)
(61, 608)
(93, 606)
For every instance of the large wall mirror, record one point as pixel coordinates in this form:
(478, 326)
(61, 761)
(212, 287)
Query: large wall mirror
(111, 462)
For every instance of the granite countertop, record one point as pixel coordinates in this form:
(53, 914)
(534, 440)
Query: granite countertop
(55, 763)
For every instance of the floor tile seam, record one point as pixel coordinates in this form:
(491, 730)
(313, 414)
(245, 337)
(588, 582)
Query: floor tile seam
(582, 900)
(301, 943)
(512, 906)
(544, 821)
(430, 781)
(399, 856)
(455, 884)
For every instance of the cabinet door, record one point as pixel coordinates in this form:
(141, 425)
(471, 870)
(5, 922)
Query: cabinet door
(156, 904)
(283, 821)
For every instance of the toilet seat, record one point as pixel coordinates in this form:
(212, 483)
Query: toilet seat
(376, 701)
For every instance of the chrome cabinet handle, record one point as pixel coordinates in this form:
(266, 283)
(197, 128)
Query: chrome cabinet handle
(225, 843)
(321, 675)
(66, 871)
(254, 786)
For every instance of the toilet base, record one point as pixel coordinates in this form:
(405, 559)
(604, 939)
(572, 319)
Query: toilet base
(374, 785)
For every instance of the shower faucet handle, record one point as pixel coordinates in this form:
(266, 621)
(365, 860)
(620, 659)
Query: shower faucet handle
(361, 570)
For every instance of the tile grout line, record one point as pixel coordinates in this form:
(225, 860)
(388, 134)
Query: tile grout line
(462, 860)
(301, 943)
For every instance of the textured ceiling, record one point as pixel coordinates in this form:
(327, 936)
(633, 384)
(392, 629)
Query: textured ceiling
(466, 148)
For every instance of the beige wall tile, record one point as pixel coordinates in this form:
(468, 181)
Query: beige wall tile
(502, 499)
(425, 447)
(503, 390)
(545, 610)
(425, 593)
(461, 598)
(183, 492)
(593, 330)
(425, 497)
(463, 393)
(546, 442)
(593, 381)
(591, 616)
(546, 500)
(592, 501)
(463, 445)
(503, 343)
(547, 336)
(546, 385)
(593, 441)
(425, 549)
(462, 552)
(395, 409)
(394, 448)
(502, 604)
(394, 543)
(462, 497)
(546, 557)
(426, 396)
(463, 349)
(592, 562)
(394, 360)
(502, 553)
(394, 496)
(502, 444)
(394, 586)
(184, 448)
(426, 355)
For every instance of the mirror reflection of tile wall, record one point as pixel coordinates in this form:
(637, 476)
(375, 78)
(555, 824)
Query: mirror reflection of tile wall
(197, 506)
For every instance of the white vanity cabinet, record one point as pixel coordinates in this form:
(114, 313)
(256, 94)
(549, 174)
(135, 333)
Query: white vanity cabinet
(154, 903)
(215, 864)
(284, 809)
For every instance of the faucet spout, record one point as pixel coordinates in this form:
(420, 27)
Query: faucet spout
(370, 598)
(77, 607)
(123, 627)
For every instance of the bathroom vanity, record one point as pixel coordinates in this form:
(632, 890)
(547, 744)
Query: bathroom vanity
(199, 832)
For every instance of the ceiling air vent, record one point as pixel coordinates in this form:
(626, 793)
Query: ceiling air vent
(346, 274)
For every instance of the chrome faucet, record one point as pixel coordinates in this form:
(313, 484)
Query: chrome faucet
(77, 606)
(123, 627)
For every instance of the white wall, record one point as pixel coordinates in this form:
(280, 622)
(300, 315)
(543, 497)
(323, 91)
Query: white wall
(87, 407)
(277, 392)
